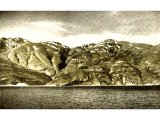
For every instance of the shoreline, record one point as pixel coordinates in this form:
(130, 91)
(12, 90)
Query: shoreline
(87, 87)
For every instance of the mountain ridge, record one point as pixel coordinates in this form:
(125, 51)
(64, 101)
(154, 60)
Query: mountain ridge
(109, 62)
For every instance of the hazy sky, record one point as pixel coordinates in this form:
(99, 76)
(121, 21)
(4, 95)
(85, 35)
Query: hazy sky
(77, 28)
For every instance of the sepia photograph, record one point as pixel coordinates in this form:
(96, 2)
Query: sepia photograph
(79, 59)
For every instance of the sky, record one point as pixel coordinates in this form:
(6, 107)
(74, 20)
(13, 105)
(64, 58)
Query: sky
(74, 28)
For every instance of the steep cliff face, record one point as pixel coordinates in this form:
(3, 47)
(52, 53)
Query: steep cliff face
(109, 62)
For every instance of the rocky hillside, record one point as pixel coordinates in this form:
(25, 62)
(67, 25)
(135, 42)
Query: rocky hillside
(12, 74)
(107, 63)
(45, 57)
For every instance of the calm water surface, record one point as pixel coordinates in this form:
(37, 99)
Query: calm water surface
(79, 98)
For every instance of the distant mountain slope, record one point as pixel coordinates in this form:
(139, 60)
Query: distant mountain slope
(109, 62)
(45, 57)
(11, 74)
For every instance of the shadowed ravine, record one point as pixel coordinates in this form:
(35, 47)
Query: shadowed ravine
(109, 97)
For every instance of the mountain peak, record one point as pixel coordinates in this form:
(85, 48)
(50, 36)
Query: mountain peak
(109, 62)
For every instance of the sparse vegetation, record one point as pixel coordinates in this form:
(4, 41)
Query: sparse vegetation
(107, 63)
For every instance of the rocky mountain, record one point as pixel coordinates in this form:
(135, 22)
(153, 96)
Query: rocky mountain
(12, 74)
(109, 62)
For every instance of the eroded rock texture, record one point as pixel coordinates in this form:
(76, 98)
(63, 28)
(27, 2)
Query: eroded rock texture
(50, 63)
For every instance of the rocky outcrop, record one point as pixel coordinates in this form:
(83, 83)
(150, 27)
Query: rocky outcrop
(109, 62)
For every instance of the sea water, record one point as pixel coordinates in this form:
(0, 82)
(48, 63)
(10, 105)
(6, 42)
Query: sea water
(80, 97)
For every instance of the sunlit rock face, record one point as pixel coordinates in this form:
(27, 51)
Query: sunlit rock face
(109, 62)
(44, 57)
(13, 74)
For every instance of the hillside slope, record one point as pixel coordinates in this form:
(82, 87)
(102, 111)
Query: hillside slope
(11, 74)
(109, 62)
